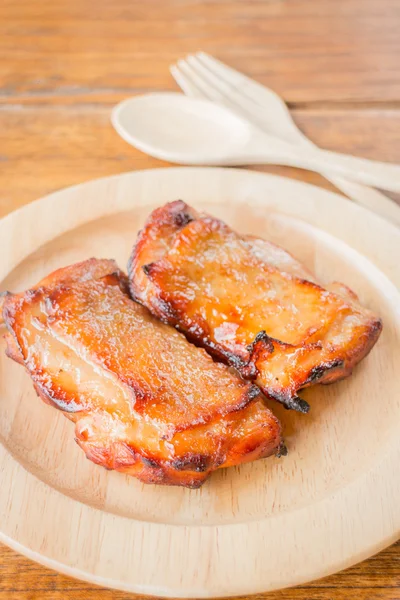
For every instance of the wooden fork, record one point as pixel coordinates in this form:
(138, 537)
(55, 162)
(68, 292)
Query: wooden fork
(200, 75)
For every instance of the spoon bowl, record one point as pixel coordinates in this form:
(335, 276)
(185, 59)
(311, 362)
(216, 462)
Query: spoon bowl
(176, 128)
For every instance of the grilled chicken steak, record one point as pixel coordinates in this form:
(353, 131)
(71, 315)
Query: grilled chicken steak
(143, 399)
(249, 303)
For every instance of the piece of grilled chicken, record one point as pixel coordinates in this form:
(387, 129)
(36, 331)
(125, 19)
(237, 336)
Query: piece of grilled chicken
(249, 303)
(143, 399)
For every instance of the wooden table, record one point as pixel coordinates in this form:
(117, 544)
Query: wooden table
(65, 63)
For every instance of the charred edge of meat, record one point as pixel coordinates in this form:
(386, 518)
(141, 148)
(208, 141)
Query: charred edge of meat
(165, 312)
(182, 218)
(282, 450)
(294, 403)
(262, 343)
(319, 371)
(262, 336)
(192, 462)
(177, 212)
(147, 268)
(201, 339)
(159, 307)
(219, 353)
(231, 359)
(253, 393)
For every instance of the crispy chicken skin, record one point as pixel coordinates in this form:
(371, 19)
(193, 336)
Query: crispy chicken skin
(143, 399)
(249, 303)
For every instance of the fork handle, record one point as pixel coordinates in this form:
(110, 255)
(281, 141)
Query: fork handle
(375, 173)
(369, 172)
(367, 196)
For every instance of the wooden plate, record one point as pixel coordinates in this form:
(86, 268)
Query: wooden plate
(333, 501)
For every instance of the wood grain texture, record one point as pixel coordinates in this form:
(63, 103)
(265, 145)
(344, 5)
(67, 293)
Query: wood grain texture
(306, 51)
(68, 62)
(48, 148)
(26, 580)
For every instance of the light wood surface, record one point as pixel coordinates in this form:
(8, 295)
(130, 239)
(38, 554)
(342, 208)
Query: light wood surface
(48, 148)
(64, 64)
(317, 507)
(330, 52)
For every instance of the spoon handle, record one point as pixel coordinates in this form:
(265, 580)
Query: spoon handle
(370, 172)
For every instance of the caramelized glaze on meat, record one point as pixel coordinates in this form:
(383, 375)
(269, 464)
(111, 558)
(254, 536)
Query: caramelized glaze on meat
(249, 303)
(143, 399)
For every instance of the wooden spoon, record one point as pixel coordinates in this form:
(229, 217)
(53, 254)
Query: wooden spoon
(186, 130)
